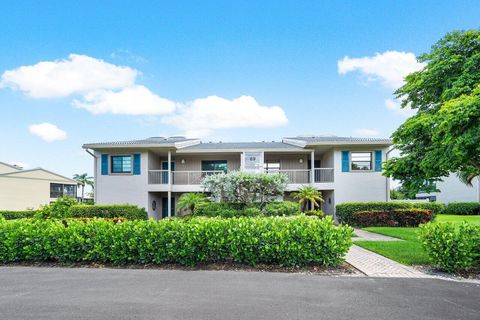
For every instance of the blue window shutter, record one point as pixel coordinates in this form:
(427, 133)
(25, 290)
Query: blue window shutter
(345, 161)
(378, 160)
(104, 164)
(136, 164)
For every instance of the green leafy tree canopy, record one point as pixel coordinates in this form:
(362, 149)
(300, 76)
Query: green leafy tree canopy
(444, 135)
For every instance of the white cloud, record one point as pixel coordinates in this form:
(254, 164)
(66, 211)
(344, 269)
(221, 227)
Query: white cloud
(104, 88)
(201, 116)
(367, 132)
(47, 131)
(390, 67)
(134, 100)
(395, 106)
(78, 74)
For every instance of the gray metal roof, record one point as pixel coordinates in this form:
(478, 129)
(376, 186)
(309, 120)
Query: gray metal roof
(311, 140)
(241, 146)
(152, 141)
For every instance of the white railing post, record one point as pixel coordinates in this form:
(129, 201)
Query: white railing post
(169, 200)
(312, 167)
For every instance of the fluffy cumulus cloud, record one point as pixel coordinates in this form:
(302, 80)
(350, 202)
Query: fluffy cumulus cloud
(78, 74)
(104, 88)
(47, 131)
(133, 100)
(390, 67)
(201, 116)
(98, 86)
(367, 132)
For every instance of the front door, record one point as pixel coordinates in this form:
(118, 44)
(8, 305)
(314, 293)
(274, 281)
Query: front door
(165, 172)
(165, 207)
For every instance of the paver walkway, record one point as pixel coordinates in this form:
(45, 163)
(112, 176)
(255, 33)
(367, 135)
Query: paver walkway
(375, 265)
(370, 236)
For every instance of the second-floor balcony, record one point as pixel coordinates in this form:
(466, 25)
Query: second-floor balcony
(298, 176)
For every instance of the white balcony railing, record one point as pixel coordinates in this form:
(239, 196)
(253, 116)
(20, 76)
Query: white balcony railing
(192, 177)
(158, 176)
(302, 176)
(298, 176)
(322, 175)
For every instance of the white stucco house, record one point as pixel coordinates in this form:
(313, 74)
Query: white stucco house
(154, 172)
(454, 190)
(29, 189)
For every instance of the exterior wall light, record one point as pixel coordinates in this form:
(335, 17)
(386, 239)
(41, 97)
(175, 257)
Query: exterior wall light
(183, 161)
(300, 160)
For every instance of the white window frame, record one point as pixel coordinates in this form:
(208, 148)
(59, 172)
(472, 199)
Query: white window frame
(372, 161)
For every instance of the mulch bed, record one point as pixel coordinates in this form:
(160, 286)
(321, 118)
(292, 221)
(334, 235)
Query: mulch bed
(472, 274)
(344, 269)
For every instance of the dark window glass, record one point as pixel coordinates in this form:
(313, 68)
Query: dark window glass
(361, 161)
(58, 190)
(214, 165)
(70, 191)
(121, 164)
(316, 164)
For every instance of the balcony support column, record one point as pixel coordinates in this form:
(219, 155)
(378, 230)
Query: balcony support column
(169, 200)
(312, 167)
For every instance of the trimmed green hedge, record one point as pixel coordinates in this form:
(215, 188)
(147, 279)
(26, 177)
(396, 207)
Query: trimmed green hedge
(127, 211)
(230, 210)
(463, 208)
(345, 211)
(452, 247)
(11, 215)
(394, 218)
(288, 241)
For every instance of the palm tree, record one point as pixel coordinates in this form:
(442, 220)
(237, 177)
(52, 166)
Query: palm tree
(190, 200)
(83, 180)
(308, 196)
(467, 177)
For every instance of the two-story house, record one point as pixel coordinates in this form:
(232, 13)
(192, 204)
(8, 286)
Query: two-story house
(154, 172)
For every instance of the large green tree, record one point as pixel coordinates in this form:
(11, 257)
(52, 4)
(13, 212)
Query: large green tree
(443, 136)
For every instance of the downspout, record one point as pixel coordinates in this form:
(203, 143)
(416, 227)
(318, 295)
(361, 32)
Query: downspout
(387, 181)
(94, 174)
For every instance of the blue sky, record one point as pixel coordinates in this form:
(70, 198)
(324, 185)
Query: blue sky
(124, 70)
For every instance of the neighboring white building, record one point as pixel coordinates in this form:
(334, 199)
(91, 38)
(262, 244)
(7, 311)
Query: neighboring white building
(29, 189)
(454, 190)
(149, 172)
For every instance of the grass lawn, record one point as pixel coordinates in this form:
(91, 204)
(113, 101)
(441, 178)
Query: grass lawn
(409, 251)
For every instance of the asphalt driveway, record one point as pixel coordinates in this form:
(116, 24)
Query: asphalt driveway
(81, 293)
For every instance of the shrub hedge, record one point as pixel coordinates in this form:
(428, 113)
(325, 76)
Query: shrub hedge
(11, 215)
(393, 218)
(451, 247)
(463, 208)
(288, 241)
(230, 210)
(345, 211)
(127, 211)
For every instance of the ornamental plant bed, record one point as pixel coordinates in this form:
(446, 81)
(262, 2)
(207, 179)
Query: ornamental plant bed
(288, 242)
(343, 269)
(345, 211)
(393, 218)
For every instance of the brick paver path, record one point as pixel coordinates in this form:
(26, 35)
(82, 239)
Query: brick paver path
(375, 265)
(370, 236)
